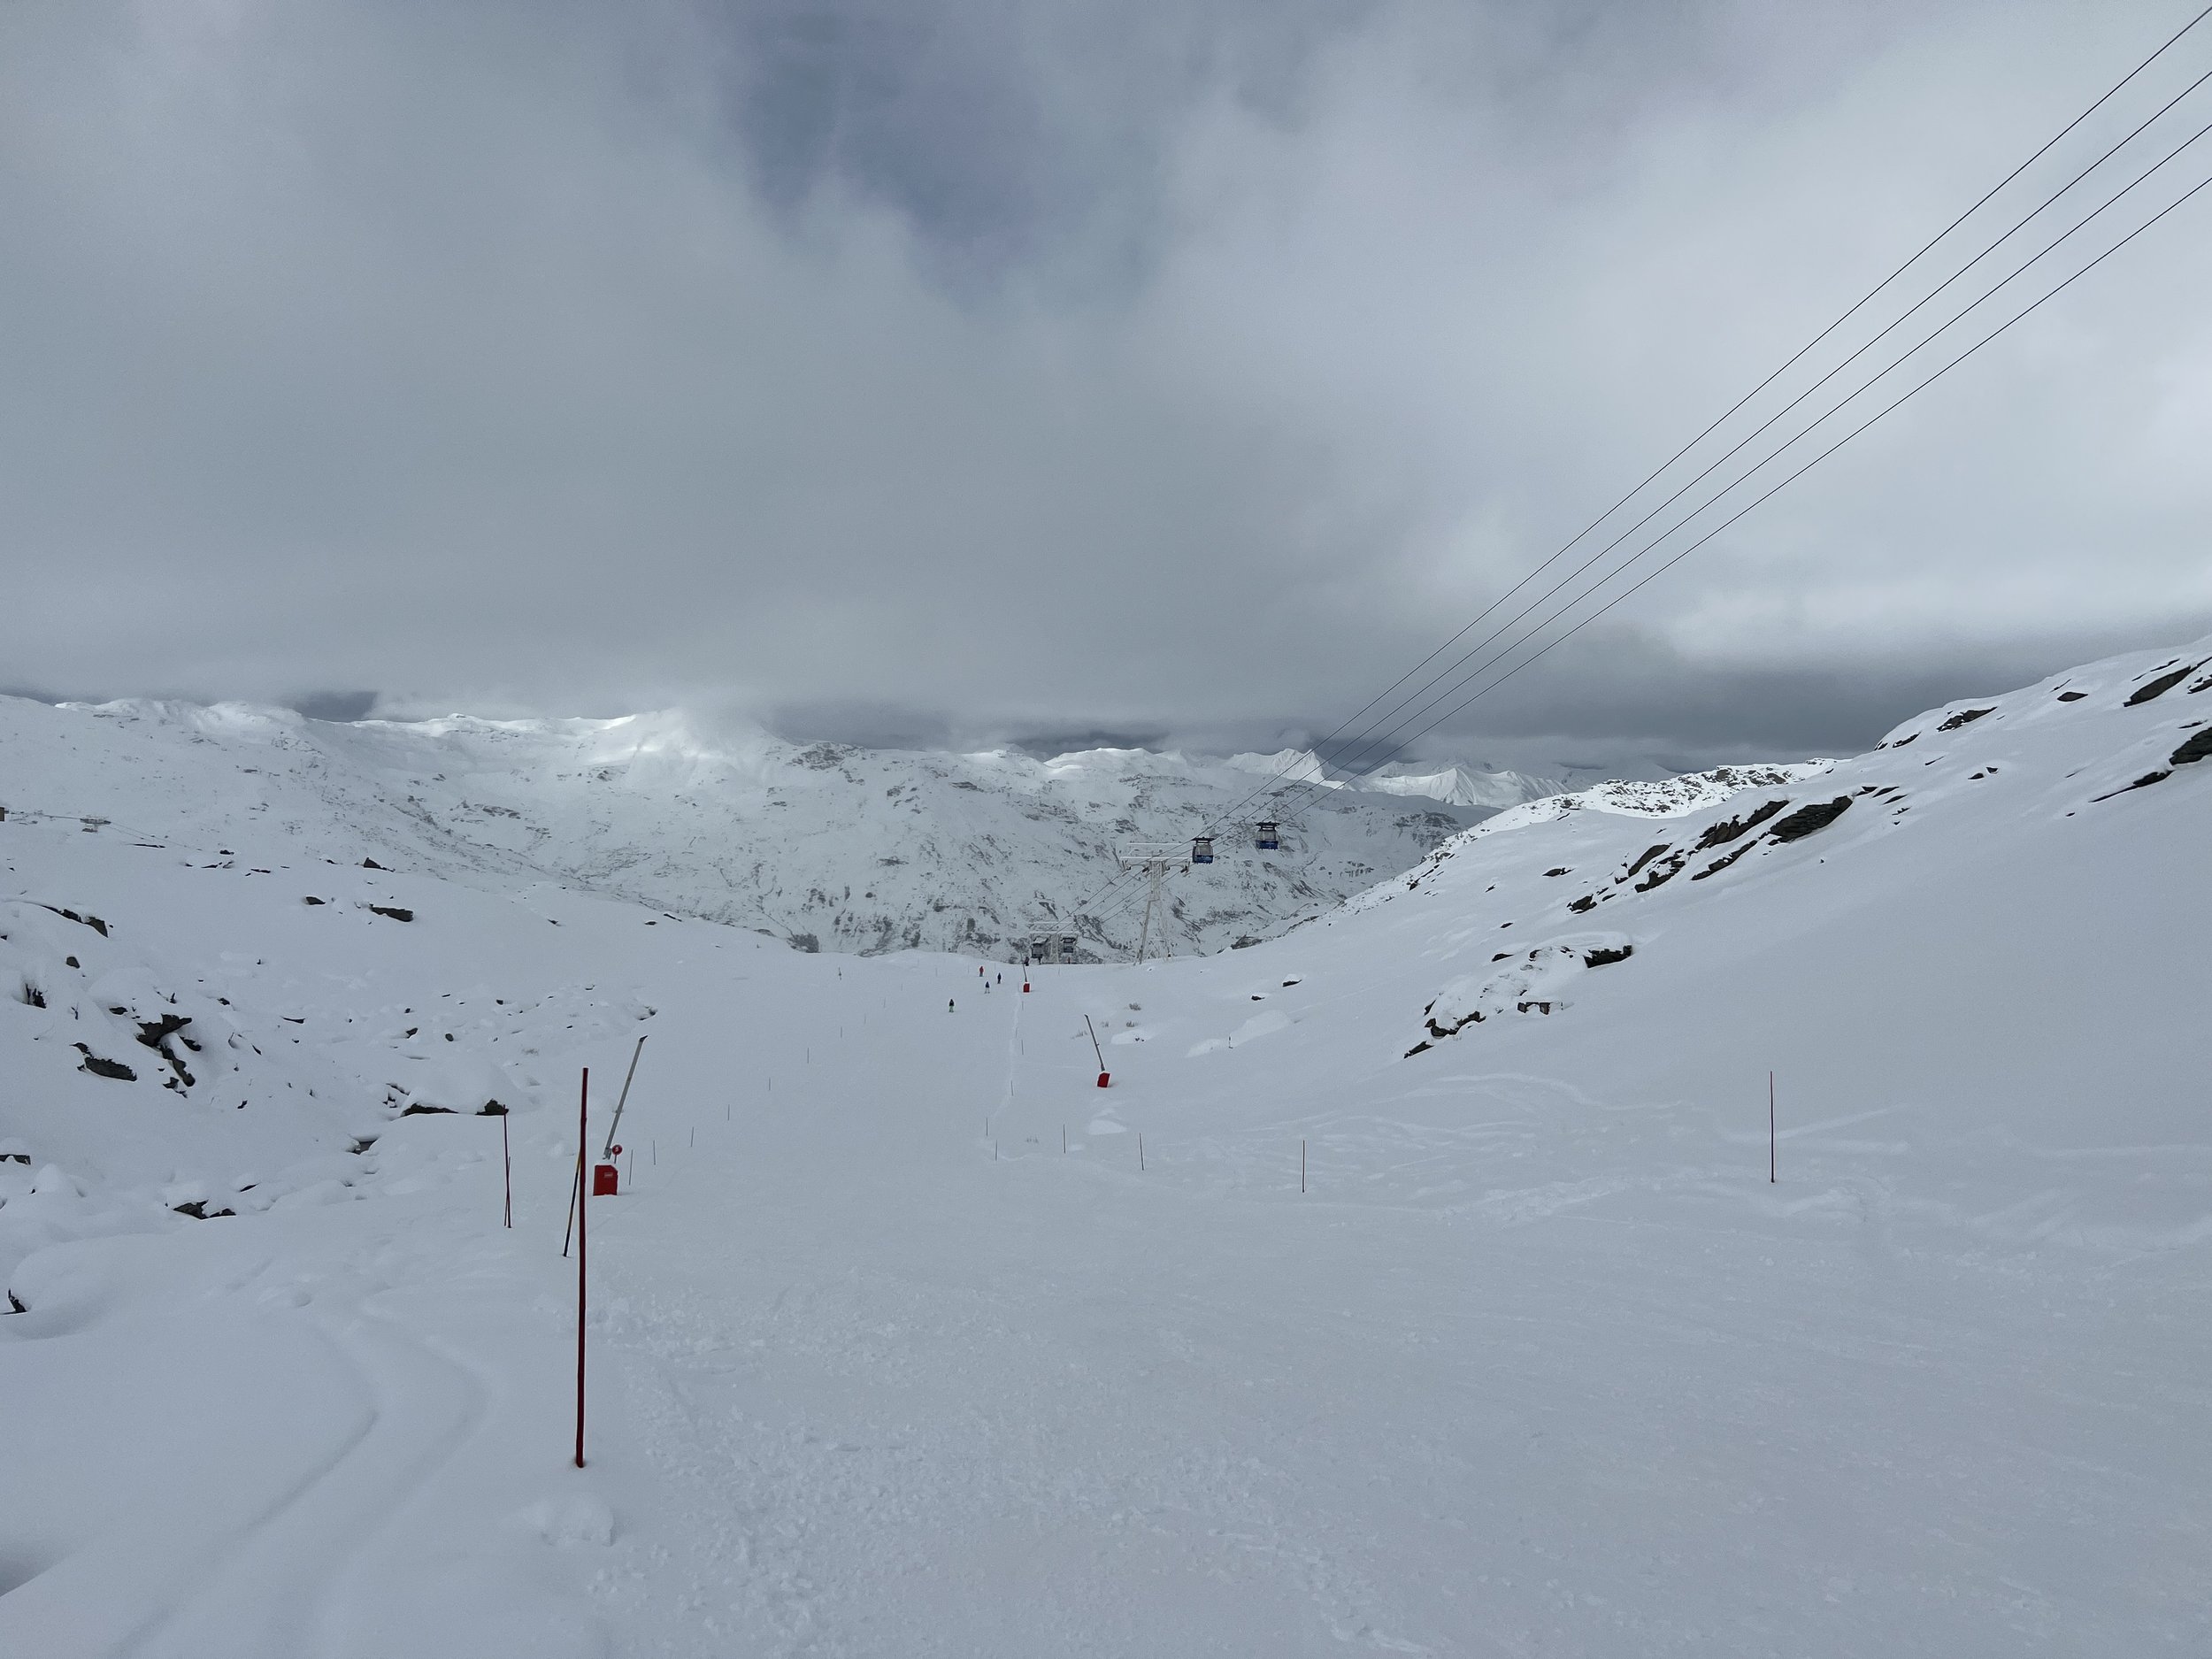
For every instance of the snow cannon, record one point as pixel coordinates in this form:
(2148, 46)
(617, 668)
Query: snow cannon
(1105, 1077)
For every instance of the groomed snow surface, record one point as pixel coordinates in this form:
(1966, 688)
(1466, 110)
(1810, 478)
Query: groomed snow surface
(1539, 1362)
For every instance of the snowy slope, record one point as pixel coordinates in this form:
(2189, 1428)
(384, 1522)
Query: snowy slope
(1461, 786)
(1994, 900)
(1454, 783)
(1539, 1362)
(825, 845)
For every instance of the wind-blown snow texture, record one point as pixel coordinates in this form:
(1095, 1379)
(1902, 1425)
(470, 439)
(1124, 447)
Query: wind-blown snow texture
(1541, 1362)
(825, 845)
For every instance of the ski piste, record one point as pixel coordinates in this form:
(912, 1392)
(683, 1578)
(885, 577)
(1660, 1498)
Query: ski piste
(1540, 1361)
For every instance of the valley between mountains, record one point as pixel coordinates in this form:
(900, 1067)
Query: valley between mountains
(1424, 1280)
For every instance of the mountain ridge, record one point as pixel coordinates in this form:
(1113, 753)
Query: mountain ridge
(821, 844)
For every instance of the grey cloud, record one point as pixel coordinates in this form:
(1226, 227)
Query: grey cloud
(1006, 135)
(934, 368)
(335, 705)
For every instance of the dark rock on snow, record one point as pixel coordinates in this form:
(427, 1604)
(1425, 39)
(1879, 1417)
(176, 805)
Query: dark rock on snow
(99, 1067)
(2161, 685)
(2196, 749)
(1805, 819)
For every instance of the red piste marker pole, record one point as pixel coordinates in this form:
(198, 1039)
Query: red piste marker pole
(1104, 1076)
(583, 1219)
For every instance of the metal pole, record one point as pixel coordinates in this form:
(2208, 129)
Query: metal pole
(1094, 1048)
(623, 1099)
(1772, 1176)
(583, 1228)
(507, 1167)
(1157, 873)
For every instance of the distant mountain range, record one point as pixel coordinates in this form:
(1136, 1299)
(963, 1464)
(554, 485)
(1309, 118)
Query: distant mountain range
(829, 846)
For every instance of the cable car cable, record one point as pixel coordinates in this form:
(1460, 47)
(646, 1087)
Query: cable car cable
(1365, 747)
(1379, 735)
(1853, 310)
(1807, 466)
(1369, 740)
(1395, 735)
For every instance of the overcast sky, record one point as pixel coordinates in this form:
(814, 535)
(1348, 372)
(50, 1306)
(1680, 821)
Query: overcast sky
(957, 367)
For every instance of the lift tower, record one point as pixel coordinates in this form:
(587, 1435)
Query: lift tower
(1157, 860)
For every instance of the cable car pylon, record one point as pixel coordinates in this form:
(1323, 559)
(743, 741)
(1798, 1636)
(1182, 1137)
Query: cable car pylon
(1156, 861)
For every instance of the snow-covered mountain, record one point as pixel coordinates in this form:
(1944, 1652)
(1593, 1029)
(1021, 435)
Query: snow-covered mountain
(825, 845)
(1658, 797)
(1454, 783)
(1420, 1282)
(1461, 785)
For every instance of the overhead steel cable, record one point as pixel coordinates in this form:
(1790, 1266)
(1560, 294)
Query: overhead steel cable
(1774, 489)
(1376, 737)
(1395, 736)
(1853, 310)
(1377, 733)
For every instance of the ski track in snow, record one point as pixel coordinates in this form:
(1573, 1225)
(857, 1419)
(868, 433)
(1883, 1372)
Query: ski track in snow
(290, 1563)
(1542, 1362)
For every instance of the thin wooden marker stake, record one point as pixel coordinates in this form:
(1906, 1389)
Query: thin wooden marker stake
(1140, 1151)
(1064, 1138)
(1301, 1164)
(1772, 1161)
(583, 1227)
(575, 1186)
